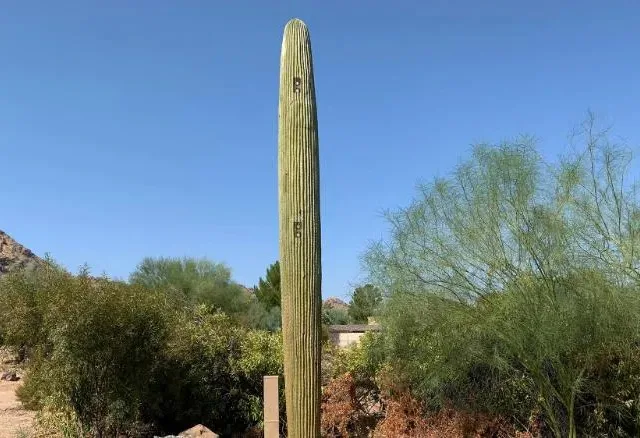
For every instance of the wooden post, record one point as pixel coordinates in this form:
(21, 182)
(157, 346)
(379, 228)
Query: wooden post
(271, 408)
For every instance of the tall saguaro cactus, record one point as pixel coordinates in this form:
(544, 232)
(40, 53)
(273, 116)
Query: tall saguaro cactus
(299, 198)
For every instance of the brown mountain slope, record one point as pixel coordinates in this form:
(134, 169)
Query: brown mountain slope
(14, 256)
(335, 303)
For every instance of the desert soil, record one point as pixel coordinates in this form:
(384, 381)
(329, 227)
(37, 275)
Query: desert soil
(15, 421)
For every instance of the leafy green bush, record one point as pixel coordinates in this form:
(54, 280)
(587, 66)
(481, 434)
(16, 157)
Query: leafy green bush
(201, 281)
(99, 343)
(211, 373)
(516, 353)
(351, 392)
(334, 316)
(109, 358)
(362, 360)
(24, 299)
(260, 355)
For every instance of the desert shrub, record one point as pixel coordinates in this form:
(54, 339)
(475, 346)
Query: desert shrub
(109, 358)
(405, 417)
(362, 359)
(335, 316)
(102, 340)
(211, 373)
(362, 362)
(24, 300)
(351, 403)
(611, 406)
(193, 378)
(560, 340)
(258, 317)
(567, 355)
(342, 410)
(260, 355)
(201, 281)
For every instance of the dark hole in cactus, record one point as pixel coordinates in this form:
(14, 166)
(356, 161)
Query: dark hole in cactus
(297, 227)
(296, 85)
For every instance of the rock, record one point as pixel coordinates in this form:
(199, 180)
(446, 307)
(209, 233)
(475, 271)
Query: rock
(198, 431)
(9, 376)
(14, 256)
(335, 303)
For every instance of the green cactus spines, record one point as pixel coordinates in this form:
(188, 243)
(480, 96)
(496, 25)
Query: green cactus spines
(299, 201)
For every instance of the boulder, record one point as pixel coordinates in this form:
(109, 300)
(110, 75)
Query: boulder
(9, 376)
(198, 431)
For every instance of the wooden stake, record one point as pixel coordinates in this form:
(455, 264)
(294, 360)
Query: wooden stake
(271, 408)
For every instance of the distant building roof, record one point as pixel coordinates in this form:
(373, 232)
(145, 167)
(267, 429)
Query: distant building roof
(354, 328)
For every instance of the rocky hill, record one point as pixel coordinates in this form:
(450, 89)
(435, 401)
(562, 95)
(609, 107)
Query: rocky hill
(15, 256)
(335, 303)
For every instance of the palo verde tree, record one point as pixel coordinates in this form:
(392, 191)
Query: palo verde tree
(521, 265)
(299, 199)
(197, 280)
(506, 212)
(202, 281)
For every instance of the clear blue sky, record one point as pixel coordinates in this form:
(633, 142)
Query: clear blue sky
(150, 130)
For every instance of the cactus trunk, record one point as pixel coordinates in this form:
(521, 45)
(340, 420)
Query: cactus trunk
(299, 201)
